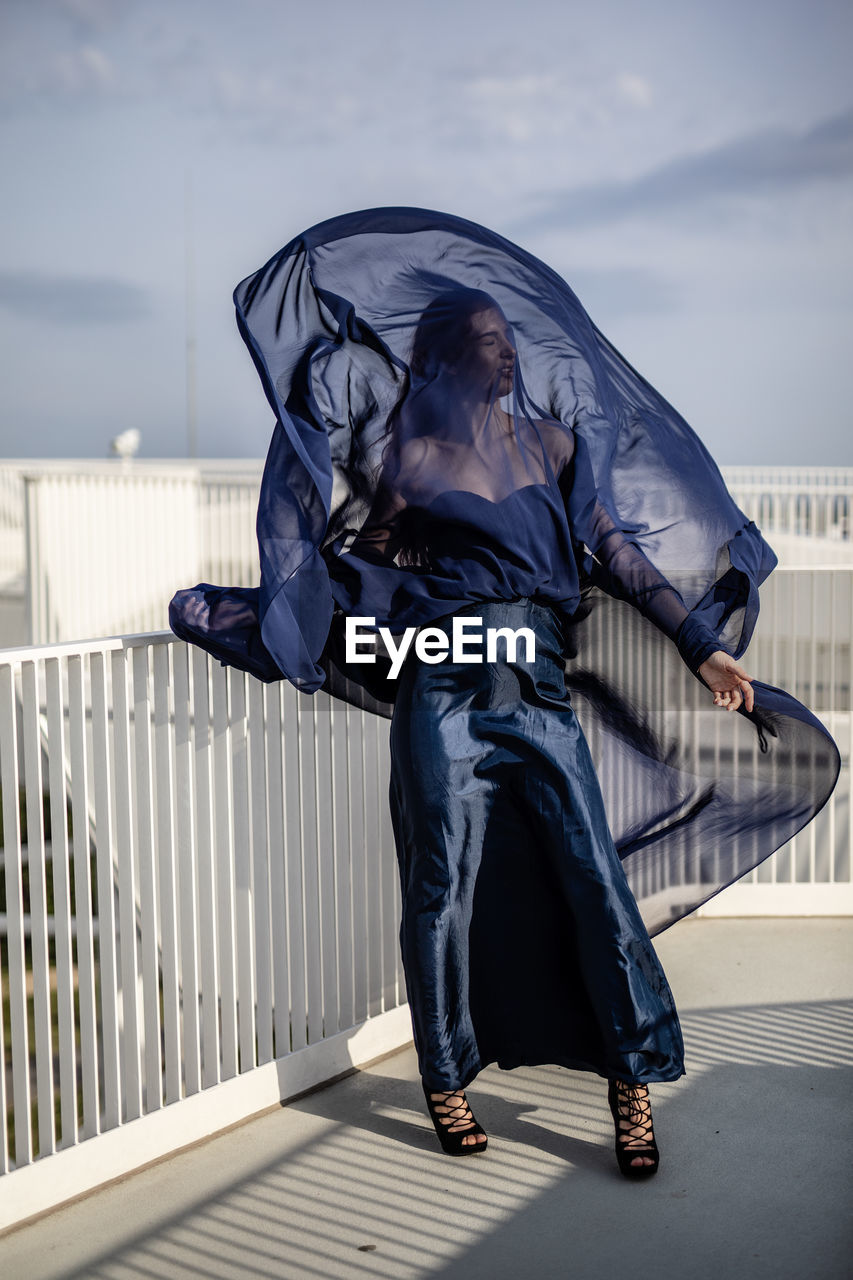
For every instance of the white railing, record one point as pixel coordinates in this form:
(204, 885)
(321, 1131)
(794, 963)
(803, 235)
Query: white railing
(804, 643)
(781, 473)
(200, 888)
(814, 502)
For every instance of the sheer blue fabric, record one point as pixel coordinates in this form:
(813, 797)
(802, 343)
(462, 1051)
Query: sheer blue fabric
(451, 428)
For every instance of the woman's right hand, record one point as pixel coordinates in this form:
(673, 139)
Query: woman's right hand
(728, 681)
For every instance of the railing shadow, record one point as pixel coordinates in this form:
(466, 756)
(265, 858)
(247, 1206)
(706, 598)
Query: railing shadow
(754, 1182)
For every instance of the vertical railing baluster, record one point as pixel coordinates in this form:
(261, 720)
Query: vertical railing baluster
(167, 874)
(36, 860)
(372, 867)
(147, 886)
(261, 852)
(295, 926)
(359, 854)
(15, 945)
(310, 881)
(224, 865)
(187, 879)
(63, 943)
(83, 914)
(279, 935)
(324, 801)
(242, 873)
(205, 850)
(106, 861)
(390, 889)
(343, 862)
(126, 865)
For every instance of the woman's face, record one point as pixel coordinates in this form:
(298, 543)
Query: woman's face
(487, 361)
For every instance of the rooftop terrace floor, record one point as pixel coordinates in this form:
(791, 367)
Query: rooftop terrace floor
(755, 1181)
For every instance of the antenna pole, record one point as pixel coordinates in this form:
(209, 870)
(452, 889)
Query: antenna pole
(189, 259)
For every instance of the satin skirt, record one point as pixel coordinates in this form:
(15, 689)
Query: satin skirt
(521, 940)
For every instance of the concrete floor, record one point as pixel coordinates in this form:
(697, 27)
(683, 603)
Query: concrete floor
(755, 1178)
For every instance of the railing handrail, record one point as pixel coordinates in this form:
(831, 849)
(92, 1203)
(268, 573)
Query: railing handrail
(72, 648)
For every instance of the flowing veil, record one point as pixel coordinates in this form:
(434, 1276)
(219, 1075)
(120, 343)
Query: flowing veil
(351, 328)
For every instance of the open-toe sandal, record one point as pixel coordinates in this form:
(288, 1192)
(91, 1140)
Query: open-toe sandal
(453, 1124)
(631, 1108)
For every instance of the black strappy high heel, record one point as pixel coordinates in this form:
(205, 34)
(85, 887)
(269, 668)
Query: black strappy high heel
(635, 1136)
(446, 1122)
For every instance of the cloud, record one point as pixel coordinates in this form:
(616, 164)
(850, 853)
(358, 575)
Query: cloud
(72, 300)
(72, 52)
(85, 70)
(635, 89)
(767, 163)
(547, 105)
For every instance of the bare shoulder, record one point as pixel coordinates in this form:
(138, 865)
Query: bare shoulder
(559, 442)
(414, 463)
(414, 453)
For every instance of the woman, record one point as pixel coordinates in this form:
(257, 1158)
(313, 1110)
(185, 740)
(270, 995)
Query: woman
(433, 466)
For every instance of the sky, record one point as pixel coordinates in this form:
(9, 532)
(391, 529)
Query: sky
(686, 167)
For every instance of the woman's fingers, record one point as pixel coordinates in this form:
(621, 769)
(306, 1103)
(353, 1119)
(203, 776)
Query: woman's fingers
(731, 699)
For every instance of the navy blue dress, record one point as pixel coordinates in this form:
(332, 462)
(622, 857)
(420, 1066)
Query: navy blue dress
(455, 437)
(522, 941)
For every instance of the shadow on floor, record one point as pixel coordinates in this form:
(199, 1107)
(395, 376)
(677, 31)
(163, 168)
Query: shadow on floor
(755, 1178)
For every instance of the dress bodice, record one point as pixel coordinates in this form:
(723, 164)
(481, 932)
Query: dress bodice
(471, 548)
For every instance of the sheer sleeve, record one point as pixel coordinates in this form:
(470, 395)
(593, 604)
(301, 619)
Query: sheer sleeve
(379, 538)
(627, 574)
(617, 565)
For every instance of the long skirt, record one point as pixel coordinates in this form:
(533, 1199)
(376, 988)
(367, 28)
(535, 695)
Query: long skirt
(521, 940)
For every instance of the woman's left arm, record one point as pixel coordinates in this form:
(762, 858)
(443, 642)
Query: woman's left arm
(627, 574)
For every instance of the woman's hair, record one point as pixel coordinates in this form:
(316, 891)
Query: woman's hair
(444, 328)
(442, 333)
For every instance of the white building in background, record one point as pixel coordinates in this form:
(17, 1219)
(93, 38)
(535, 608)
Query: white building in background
(91, 548)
